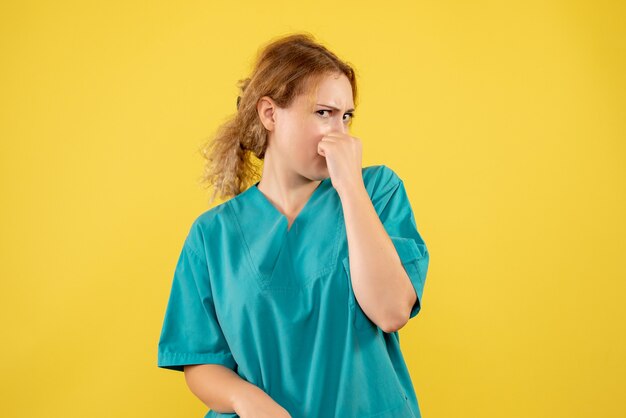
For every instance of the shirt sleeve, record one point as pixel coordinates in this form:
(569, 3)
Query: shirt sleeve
(191, 333)
(395, 212)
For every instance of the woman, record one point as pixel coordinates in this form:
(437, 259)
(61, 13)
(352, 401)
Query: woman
(287, 298)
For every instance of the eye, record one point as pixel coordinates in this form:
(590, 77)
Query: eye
(321, 113)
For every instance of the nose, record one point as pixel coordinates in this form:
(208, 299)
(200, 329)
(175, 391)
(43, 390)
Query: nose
(339, 125)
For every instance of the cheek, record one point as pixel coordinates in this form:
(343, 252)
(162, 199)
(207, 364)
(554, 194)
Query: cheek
(306, 147)
(307, 136)
(300, 136)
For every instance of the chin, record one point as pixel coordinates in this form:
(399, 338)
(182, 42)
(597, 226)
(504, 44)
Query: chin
(319, 175)
(318, 170)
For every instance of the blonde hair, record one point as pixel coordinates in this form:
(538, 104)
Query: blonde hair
(284, 69)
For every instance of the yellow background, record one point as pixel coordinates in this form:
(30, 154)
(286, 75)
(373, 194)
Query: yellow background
(507, 123)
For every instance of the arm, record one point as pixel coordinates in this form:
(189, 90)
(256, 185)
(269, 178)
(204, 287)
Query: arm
(224, 391)
(201, 380)
(381, 285)
(192, 340)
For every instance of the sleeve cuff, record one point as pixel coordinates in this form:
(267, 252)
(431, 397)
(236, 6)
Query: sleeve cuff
(414, 259)
(177, 361)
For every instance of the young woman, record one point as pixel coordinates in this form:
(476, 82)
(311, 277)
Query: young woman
(287, 298)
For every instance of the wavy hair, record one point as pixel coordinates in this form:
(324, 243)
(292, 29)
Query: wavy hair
(285, 68)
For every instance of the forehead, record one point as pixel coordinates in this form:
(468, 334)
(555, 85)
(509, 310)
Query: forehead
(332, 89)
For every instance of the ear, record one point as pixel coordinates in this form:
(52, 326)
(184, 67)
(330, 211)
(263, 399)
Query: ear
(266, 109)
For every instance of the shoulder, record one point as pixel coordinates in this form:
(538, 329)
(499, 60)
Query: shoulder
(379, 180)
(203, 226)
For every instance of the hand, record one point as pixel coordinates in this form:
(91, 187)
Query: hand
(343, 155)
(255, 403)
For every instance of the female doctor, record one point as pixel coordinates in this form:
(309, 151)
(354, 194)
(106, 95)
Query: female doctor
(287, 298)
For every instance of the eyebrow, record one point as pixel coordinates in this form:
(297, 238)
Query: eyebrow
(334, 108)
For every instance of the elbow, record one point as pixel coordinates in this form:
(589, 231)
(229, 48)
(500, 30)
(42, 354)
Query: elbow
(395, 325)
(397, 322)
(400, 319)
(390, 321)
